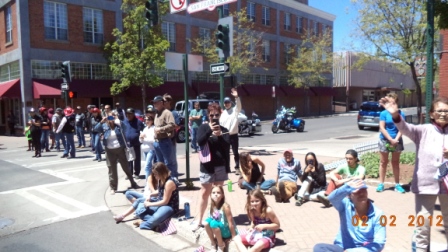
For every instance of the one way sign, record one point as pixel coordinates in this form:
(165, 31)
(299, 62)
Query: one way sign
(219, 68)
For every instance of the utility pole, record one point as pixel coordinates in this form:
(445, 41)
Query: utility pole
(429, 55)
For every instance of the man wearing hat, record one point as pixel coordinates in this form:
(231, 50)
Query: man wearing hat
(67, 127)
(36, 132)
(163, 132)
(359, 220)
(133, 127)
(168, 105)
(229, 120)
(56, 121)
(120, 111)
(288, 171)
(80, 120)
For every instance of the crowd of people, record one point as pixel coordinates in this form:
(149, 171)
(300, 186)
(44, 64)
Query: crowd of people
(214, 137)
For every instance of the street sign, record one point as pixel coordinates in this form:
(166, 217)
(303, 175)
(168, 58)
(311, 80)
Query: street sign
(219, 68)
(64, 86)
(177, 6)
(207, 4)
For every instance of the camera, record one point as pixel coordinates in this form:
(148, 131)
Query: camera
(110, 118)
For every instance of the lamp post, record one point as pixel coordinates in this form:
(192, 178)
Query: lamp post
(429, 55)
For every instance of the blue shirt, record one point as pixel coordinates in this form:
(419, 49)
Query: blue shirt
(132, 131)
(289, 171)
(390, 126)
(371, 237)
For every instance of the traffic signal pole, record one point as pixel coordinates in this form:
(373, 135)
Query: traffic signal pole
(221, 60)
(429, 56)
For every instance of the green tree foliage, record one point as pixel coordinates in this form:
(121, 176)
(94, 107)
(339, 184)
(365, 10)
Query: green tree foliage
(396, 30)
(138, 51)
(313, 58)
(247, 45)
(441, 12)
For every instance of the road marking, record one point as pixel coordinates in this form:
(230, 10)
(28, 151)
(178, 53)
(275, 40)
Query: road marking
(45, 204)
(61, 175)
(65, 199)
(40, 186)
(84, 168)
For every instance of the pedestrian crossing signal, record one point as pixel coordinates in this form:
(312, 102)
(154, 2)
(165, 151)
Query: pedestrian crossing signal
(72, 94)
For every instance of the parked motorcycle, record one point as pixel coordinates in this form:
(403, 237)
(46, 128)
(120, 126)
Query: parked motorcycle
(246, 126)
(284, 120)
(180, 131)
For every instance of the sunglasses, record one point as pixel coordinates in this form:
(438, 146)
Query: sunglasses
(214, 115)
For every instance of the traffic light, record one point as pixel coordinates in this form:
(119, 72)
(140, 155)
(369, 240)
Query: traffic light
(152, 12)
(65, 71)
(72, 94)
(222, 38)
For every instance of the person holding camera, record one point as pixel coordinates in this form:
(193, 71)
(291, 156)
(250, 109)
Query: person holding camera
(314, 181)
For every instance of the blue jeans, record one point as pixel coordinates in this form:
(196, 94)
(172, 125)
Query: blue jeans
(133, 195)
(164, 150)
(57, 137)
(44, 140)
(263, 186)
(97, 145)
(194, 144)
(174, 156)
(70, 145)
(80, 135)
(149, 157)
(321, 247)
(155, 215)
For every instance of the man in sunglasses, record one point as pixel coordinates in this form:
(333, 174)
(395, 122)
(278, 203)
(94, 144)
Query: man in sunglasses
(229, 120)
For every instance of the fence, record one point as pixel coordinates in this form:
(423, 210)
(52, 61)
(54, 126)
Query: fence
(361, 148)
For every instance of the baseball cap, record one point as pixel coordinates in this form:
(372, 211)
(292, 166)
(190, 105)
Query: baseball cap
(227, 99)
(79, 107)
(32, 110)
(287, 151)
(157, 99)
(58, 110)
(151, 109)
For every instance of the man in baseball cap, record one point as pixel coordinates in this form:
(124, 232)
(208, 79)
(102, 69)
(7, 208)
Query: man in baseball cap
(289, 170)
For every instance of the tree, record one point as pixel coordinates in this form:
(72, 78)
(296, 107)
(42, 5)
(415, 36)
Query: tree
(396, 32)
(247, 45)
(138, 51)
(314, 58)
(441, 10)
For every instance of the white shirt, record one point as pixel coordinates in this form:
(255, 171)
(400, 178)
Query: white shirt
(112, 140)
(229, 117)
(148, 140)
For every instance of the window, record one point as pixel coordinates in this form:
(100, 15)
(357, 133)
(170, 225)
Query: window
(204, 35)
(225, 9)
(251, 48)
(43, 69)
(266, 51)
(93, 26)
(251, 11)
(55, 21)
(287, 53)
(266, 16)
(324, 29)
(299, 25)
(8, 23)
(169, 32)
(315, 28)
(287, 22)
(10, 71)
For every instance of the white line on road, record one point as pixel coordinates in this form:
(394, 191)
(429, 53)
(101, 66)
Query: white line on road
(45, 204)
(65, 199)
(40, 186)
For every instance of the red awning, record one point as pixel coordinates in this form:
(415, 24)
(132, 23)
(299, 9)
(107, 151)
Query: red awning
(10, 88)
(44, 91)
(291, 91)
(323, 91)
(258, 90)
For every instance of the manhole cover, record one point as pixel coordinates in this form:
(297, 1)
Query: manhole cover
(349, 137)
(4, 222)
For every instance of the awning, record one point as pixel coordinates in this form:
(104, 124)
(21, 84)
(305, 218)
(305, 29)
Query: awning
(43, 91)
(258, 90)
(291, 91)
(323, 91)
(10, 88)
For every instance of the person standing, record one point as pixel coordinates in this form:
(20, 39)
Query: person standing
(133, 128)
(120, 111)
(168, 105)
(80, 119)
(45, 128)
(163, 132)
(88, 128)
(50, 116)
(56, 121)
(67, 127)
(390, 142)
(11, 122)
(195, 119)
(431, 141)
(229, 120)
(94, 120)
(36, 132)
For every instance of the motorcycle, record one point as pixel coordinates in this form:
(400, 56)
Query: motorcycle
(180, 131)
(284, 120)
(246, 126)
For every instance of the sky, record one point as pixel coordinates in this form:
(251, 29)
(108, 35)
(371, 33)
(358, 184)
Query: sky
(342, 24)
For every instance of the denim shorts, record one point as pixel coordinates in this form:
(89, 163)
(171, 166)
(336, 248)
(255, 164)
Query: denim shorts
(219, 176)
(382, 145)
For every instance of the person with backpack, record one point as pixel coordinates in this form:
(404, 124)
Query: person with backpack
(67, 127)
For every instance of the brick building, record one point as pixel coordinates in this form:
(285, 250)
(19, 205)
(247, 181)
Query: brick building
(40, 34)
(443, 74)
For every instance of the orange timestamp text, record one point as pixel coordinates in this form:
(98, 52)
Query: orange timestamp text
(389, 220)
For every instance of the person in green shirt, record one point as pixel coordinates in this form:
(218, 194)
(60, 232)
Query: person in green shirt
(195, 119)
(346, 172)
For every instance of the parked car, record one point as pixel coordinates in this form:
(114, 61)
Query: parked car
(369, 115)
(203, 104)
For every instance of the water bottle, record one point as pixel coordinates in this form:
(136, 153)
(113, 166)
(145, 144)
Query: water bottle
(229, 185)
(187, 210)
(413, 245)
(389, 147)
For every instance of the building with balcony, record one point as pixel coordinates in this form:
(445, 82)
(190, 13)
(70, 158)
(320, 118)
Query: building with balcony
(40, 34)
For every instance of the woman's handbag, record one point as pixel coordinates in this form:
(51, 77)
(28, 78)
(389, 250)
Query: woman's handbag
(129, 150)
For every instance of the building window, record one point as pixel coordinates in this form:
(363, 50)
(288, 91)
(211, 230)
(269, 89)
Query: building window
(42, 69)
(266, 16)
(55, 21)
(93, 26)
(204, 35)
(315, 28)
(299, 25)
(287, 53)
(287, 22)
(266, 51)
(10, 71)
(225, 9)
(169, 32)
(8, 22)
(324, 29)
(251, 11)
(251, 48)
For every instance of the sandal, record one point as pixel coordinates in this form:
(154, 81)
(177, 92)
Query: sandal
(197, 227)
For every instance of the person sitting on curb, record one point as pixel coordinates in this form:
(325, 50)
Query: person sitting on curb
(314, 181)
(346, 172)
(288, 171)
(360, 227)
(252, 175)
